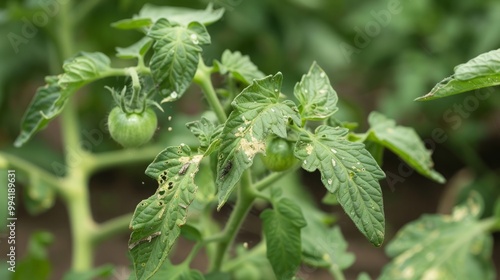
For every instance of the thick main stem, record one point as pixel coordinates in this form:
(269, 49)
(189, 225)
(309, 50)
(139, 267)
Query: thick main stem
(81, 221)
(76, 196)
(246, 198)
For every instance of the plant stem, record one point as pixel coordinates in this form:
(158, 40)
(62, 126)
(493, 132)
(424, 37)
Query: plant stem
(204, 80)
(76, 196)
(66, 28)
(81, 221)
(121, 157)
(136, 88)
(274, 177)
(246, 198)
(193, 253)
(336, 272)
(34, 170)
(111, 227)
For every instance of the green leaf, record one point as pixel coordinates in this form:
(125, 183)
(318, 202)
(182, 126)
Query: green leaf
(191, 233)
(38, 196)
(206, 132)
(282, 231)
(404, 142)
(322, 246)
(133, 23)
(174, 272)
(48, 102)
(157, 220)
(326, 247)
(84, 68)
(348, 170)
(181, 16)
(176, 55)
(443, 247)
(36, 264)
(376, 150)
(102, 272)
(137, 50)
(330, 199)
(479, 72)
(257, 112)
(239, 66)
(317, 98)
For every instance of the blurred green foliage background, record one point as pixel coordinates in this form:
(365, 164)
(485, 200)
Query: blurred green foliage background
(380, 55)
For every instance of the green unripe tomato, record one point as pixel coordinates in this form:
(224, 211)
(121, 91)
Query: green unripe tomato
(132, 129)
(279, 155)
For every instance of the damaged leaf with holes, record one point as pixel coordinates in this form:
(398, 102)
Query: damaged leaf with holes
(157, 220)
(456, 246)
(257, 113)
(349, 171)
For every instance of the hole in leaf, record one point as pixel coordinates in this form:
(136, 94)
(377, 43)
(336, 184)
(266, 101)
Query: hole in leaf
(162, 192)
(160, 203)
(170, 185)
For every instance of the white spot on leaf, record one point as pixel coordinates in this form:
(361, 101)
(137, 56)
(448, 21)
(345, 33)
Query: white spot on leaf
(194, 39)
(309, 149)
(250, 148)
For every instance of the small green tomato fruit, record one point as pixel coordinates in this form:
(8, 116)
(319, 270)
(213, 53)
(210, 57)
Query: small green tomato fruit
(132, 129)
(279, 155)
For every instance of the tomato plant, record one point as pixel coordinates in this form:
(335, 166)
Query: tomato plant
(249, 114)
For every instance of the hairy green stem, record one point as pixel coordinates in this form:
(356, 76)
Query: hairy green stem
(204, 80)
(136, 87)
(111, 228)
(246, 198)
